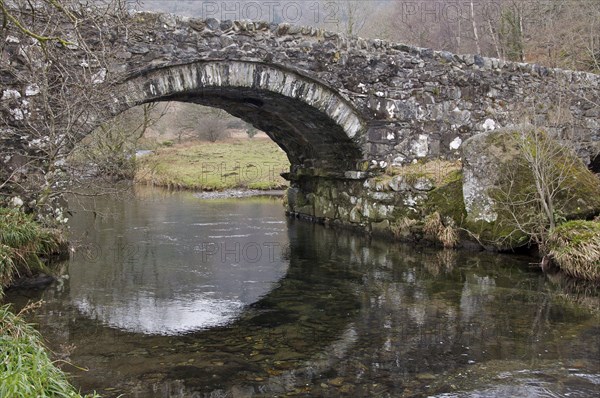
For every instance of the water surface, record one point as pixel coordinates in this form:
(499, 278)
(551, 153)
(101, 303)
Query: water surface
(168, 295)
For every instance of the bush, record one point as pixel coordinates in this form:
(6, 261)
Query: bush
(575, 248)
(435, 229)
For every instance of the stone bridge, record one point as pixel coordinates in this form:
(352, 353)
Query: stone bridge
(332, 102)
(342, 108)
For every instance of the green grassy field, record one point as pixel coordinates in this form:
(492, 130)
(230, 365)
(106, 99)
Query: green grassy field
(234, 163)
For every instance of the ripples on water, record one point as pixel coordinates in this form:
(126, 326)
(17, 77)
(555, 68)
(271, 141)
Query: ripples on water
(173, 296)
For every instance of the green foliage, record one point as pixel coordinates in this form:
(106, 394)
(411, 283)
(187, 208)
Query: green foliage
(7, 265)
(25, 368)
(22, 242)
(575, 247)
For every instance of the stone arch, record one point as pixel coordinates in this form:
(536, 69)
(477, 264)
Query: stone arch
(317, 128)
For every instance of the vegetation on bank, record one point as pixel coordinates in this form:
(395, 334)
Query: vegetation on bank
(540, 187)
(215, 166)
(575, 248)
(26, 370)
(23, 245)
(542, 183)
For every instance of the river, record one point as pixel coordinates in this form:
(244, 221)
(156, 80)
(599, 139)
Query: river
(170, 295)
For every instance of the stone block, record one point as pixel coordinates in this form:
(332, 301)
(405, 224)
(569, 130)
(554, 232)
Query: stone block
(399, 184)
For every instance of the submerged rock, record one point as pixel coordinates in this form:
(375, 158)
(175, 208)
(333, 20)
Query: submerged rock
(39, 281)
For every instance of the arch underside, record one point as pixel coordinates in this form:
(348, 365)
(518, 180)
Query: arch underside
(314, 126)
(309, 137)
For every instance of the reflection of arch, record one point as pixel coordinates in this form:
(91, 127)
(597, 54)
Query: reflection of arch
(311, 122)
(307, 312)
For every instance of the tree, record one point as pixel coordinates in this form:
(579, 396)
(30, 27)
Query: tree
(568, 35)
(545, 182)
(353, 16)
(110, 151)
(49, 67)
(205, 123)
(511, 33)
(474, 24)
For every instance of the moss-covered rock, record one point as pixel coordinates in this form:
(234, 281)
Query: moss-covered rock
(501, 198)
(447, 199)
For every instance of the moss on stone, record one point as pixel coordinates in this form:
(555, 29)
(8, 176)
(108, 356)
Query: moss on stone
(437, 170)
(496, 235)
(447, 198)
(515, 201)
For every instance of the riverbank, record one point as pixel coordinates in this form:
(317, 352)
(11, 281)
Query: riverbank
(25, 246)
(27, 369)
(237, 163)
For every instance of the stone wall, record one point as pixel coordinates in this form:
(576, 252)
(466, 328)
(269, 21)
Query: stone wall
(390, 205)
(412, 102)
(487, 199)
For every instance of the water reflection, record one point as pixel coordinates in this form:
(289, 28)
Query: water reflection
(340, 316)
(169, 269)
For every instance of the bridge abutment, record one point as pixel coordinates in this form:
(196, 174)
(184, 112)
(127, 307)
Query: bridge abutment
(391, 204)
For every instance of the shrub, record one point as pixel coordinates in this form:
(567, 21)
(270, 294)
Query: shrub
(401, 228)
(445, 234)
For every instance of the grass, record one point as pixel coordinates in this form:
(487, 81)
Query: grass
(435, 228)
(26, 370)
(205, 166)
(22, 244)
(438, 171)
(575, 248)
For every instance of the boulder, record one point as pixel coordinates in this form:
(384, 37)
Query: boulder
(495, 172)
